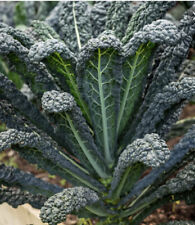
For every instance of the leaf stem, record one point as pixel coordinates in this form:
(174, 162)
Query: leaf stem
(126, 94)
(93, 161)
(75, 90)
(98, 211)
(103, 111)
(76, 27)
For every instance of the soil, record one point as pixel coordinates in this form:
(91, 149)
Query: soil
(172, 211)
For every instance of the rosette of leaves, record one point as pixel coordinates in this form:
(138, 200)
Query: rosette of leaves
(101, 110)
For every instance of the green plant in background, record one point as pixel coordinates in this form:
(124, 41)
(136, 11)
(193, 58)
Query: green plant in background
(106, 90)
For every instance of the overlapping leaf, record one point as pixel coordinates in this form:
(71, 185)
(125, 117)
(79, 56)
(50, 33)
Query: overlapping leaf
(146, 14)
(15, 197)
(50, 151)
(75, 130)
(72, 18)
(99, 74)
(138, 54)
(168, 63)
(178, 153)
(33, 73)
(184, 181)
(12, 176)
(150, 151)
(70, 200)
(61, 62)
(173, 94)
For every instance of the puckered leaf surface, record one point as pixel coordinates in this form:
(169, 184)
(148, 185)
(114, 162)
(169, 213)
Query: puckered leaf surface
(76, 131)
(150, 151)
(99, 74)
(70, 200)
(178, 153)
(146, 14)
(61, 62)
(138, 52)
(15, 197)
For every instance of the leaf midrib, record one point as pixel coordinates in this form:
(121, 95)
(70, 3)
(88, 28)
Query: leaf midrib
(98, 168)
(75, 91)
(81, 179)
(75, 26)
(125, 96)
(103, 111)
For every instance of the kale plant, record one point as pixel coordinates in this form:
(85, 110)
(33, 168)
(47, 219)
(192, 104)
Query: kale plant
(105, 84)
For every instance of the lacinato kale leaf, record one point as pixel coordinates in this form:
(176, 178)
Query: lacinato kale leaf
(89, 91)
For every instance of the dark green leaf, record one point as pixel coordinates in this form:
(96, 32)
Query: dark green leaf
(135, 69)
(99, 74)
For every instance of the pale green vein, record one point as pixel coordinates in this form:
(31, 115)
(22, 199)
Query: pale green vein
(105, 52)
(108, 63)
(75, 91)
(94, 161)
(95, 67)
(103, 111)
(92, 76)
(140, 58)
(126, 94)
(129, 212)
(65, 156)
(75, 25)
(86, 182)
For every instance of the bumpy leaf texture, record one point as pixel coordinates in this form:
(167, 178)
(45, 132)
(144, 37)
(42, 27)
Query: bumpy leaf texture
(14, 120)
(146, 14)
(72, 18)
(41, 31)
(34, 74)
(138, 57)
(10, 117)
(118, 16)
(15, 197)
(112, 82)
(52, 18)
(165, 72)
(20, 102)
(6, 12)
(184, 181)
(76, 129)
(25, 12)
(151, 151)
(172, 57)
(187, 69)
(99, 81)
(178, 153)
(56, 102)
(49, 150)
(61, 62)
(41, 50)
(98, 16)
(70, 200)
(171, 95)
(160, 31)
(11, 176)
(23, 37)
